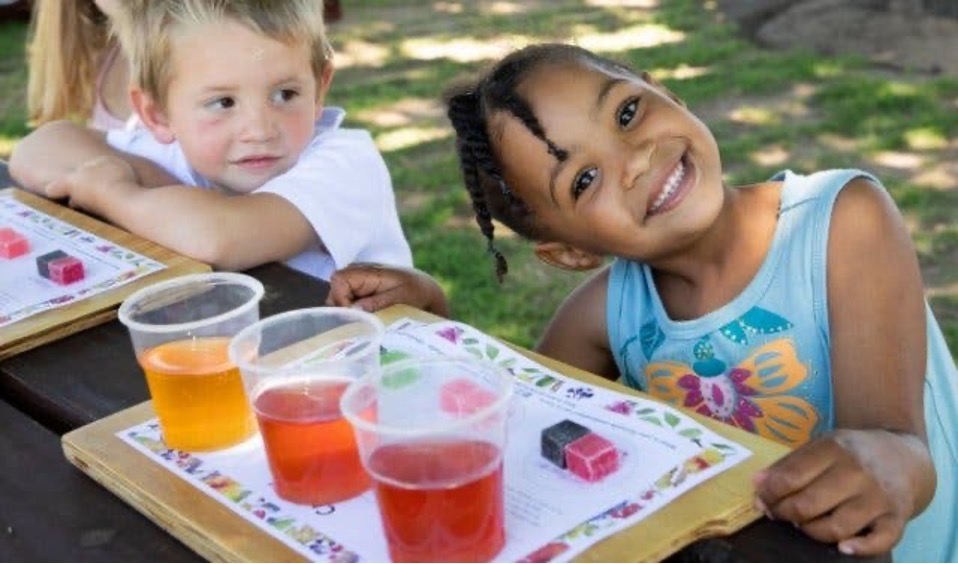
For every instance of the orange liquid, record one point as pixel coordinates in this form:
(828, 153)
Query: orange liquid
(198, 394)
(309, 445)
(455, 511)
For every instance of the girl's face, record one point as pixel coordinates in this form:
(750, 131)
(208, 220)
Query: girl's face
(241, 105)
(642, 177)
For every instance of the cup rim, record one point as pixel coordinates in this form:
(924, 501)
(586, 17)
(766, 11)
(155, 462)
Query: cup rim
(245, 366)
(361, 383)
(232, 277)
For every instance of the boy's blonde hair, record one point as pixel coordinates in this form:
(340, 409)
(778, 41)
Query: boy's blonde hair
(67, 39)
(148, 28)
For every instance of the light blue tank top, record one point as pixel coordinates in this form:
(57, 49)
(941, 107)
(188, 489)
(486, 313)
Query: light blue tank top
(761, 362)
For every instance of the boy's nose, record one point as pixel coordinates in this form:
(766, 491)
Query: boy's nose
(258, 125)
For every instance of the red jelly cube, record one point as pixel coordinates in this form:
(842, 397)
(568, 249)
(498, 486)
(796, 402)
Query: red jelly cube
(66, 270)
(12, 244)
(556, 438)
(591, 457)
(463, 397)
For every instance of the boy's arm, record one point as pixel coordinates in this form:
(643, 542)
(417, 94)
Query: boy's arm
(859, 485)
(228, 232)
(65, 160)
(58, 148)
(577, 333)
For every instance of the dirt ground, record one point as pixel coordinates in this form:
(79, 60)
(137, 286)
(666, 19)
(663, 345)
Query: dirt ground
(897, 34)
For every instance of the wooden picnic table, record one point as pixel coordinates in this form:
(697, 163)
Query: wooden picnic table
(53, 512)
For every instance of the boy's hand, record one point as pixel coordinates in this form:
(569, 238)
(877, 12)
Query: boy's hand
(372, 287)
(855, 488)
(90, 180)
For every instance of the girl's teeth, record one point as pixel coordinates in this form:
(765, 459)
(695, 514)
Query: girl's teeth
(670, 185)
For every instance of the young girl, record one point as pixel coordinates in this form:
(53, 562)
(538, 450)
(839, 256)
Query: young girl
(76, 68)
(792, 308)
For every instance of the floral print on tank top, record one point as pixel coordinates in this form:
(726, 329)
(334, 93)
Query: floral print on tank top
(752, 393)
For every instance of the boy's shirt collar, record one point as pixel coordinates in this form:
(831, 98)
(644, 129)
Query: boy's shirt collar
(332, 118)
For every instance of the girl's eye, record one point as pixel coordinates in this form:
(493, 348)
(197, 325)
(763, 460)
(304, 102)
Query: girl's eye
(627, 112)
(223, 103)
(284, 95)
(582, 182)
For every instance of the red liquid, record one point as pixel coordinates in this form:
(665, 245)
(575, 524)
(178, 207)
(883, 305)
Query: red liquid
(454, 513)
(309, 445)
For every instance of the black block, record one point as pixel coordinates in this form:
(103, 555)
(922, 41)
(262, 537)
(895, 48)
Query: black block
(43, 262)
(556, 437)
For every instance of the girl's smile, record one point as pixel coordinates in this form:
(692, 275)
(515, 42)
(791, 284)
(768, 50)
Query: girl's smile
(671, 193)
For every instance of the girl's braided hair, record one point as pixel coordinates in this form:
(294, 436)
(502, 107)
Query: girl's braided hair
(469, 108)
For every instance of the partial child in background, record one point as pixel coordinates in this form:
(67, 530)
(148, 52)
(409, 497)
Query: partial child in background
(76, 69)
(231, 95)
(792, 308)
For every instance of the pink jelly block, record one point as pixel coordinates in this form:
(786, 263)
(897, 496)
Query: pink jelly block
(12, 244)
(591, 457)
(66, 270)
(463, 397)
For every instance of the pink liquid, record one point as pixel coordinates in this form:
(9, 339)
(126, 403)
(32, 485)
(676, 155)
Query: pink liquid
(453, 512)
(309, 445)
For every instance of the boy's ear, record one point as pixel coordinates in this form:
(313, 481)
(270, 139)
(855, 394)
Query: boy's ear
(323, 87)
(152, 116)
(652, 81)
(566, 257)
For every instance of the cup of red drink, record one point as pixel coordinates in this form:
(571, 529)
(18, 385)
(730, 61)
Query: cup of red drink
(295, 366)
(431, 434)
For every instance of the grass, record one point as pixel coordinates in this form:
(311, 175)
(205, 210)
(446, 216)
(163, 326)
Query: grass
(769, 110)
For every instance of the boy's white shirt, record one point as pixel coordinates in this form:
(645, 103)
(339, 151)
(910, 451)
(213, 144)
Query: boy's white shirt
(340, 184)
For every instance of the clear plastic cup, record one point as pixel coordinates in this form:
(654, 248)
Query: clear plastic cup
(295, 366)
(180, 330)
(431, 434)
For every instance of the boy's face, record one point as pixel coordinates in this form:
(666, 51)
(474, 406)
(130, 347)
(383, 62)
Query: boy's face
(642, 176)
(241, 104)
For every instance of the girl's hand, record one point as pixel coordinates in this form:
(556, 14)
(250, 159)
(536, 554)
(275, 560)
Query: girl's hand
(375, 286)
(855, 488)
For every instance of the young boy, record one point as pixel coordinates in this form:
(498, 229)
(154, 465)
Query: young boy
(231, 95)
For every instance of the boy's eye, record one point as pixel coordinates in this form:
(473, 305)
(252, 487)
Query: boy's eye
(627, 112)
(582, 182)
(223, 103)
(284, 95)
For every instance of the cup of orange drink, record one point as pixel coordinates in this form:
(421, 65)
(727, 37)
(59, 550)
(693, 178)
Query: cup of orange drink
(181, 329)
(431, 433)
(295, 366)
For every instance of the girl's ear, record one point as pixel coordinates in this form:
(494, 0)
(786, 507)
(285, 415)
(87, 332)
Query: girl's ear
(567, 257)
(658, 85)
(152, 116)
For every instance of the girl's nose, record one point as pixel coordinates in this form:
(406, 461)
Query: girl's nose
(637, 159)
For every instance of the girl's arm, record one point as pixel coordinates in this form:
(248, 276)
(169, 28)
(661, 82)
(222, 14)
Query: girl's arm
(375, 286)
(859, 485)
(577, 334)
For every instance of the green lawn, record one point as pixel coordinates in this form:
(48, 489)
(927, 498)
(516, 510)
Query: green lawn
(769, 110)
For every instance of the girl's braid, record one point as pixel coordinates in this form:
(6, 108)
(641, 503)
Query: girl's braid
(475, 161)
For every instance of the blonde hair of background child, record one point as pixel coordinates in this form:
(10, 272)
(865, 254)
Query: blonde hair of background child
(147, 30)
(67, 40)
